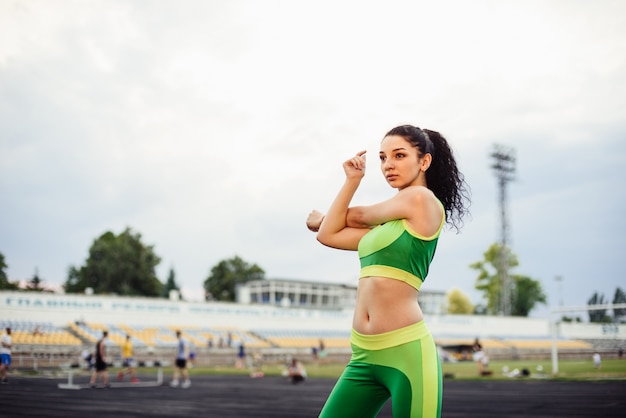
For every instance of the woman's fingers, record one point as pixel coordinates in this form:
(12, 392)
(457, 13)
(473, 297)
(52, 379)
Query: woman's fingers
(358, 161)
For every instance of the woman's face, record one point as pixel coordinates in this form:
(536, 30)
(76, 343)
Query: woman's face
(400, 163)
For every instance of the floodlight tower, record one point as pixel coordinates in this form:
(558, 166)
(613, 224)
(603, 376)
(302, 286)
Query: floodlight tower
(504, 167)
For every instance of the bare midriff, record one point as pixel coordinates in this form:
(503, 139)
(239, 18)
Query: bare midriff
(384, 305)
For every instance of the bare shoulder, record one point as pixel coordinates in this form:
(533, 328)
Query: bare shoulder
(420, 195)
(427, 212)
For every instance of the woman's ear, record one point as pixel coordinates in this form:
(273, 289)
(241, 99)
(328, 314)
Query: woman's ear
(426, 160)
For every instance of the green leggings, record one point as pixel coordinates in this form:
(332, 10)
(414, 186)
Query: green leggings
(403, 364)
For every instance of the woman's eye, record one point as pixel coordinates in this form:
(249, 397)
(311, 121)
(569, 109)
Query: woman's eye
(399, 155)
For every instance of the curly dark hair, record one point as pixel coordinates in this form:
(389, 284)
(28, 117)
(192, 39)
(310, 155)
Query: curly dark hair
(443, 177)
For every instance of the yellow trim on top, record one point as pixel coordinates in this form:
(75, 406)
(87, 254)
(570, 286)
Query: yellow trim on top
(408, 228)
(394, 273)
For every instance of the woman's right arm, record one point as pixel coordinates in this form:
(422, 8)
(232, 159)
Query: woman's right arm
(334, 230)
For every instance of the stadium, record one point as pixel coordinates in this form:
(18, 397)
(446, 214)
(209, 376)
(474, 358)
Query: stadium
(58, 327)
(51, 333)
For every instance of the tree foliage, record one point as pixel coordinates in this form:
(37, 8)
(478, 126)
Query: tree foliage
(35, 284)
(119, 264)
(170, 284)
(5, 284)
(619, 297)
(488, 280)
(598, 315)
(459, 303)
(526, 292)
(226, 275)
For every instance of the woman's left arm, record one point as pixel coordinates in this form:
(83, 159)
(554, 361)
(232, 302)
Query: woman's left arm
(401, 206)
(417, 204)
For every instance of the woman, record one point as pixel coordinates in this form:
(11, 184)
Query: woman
(393, 353)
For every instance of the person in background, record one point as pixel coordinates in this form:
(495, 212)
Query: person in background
(100, 363)
(597, 360)
(180, 363)
(87, 357)
(127, 361)
(241, 356)
(256, 365)
(322, 353)
(478, 355)
(296, 372)
(6, 343)
(393, 353)
(192, 354)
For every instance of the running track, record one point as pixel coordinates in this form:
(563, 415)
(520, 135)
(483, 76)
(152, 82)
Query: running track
(240, 396)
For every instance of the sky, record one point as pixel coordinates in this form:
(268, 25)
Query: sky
(212, 128)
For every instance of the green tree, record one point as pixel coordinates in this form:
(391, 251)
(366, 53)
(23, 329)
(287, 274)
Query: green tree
(619, 297)
(170, 284)
(598, 315)
(459, 303)
(119, 264)
(226, 275)
(5, 284)
(489, 279)
(35, 284)
(527, 292)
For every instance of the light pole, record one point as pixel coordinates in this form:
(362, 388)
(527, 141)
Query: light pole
(504, 167)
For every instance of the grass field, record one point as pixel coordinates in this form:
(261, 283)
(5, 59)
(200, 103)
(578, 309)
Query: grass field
(568, 370)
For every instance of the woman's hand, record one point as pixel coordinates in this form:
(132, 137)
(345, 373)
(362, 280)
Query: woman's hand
(355, 166)
(314, 220)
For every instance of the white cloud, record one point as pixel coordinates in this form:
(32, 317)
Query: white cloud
(212, 128)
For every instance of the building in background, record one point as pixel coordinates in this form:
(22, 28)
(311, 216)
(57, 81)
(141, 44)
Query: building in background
(318, 295)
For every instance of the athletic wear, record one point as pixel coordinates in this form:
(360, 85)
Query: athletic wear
(6, 339)
(403, 364)
(100, 363)
(395, 251)
(181, 349)
(5, 351)
(5, 359)
(127, 349)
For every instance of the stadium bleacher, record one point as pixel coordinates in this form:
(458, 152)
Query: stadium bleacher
(306, 338)
(77, 334)
(39, 333)
(165, 336)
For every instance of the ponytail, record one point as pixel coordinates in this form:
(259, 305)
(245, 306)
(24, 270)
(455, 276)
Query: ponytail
(446, 181)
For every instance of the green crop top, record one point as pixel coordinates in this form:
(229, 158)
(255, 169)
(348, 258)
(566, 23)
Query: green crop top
(395, 251)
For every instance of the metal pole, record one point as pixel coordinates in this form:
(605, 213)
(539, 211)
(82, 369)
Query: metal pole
(555, 355)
